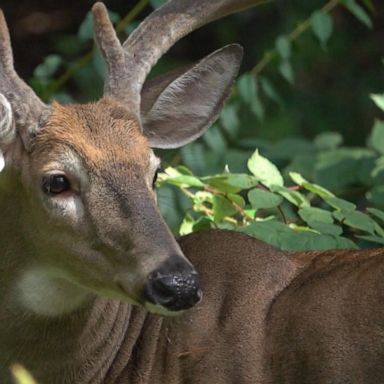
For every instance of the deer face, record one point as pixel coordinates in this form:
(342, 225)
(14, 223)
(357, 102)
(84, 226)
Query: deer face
(89, 193)
(88, 203)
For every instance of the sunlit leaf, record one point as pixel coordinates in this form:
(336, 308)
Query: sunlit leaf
(266, 172)
(378, 100)
(314, 188)
(21, 375)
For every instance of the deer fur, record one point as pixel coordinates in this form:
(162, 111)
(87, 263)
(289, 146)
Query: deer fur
(92, 278)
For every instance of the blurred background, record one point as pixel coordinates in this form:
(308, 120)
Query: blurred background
(308, 71)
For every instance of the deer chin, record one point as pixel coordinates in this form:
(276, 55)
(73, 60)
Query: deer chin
(160, 310)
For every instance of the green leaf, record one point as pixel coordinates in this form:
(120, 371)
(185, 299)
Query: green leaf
(294, 197)
(257, 108)
(48, 67)
(283, 47)
(379, 100)
(322, 26)
(286, 70)
(326, 228)
(229, 120)
(377, 173)
(203, 197)
(311, 214)
(183, 170)
(263, 199)
(372, 238)
(340, 168)
(266, 172)
(377, 213)
(328, 140)
(186, 226)
(21, 375)
(237, 199)
(356, 219)
(215, 139)
(358, 12)
(175, 177)
(376, 139)
(194, 157)
(203, 223)
(222, 208)
(339, 204)
(376, 195)
(247, 88)
(270, 91)
(314, 188)
(288, 239)
(157, 3)
(231, 183)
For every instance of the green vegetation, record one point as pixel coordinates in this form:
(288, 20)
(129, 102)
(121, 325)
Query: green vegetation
(266, 179)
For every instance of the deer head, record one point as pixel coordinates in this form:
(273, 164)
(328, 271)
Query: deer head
(84, 174)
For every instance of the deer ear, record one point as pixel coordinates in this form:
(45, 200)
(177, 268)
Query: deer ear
(191, 101)
(7, 127)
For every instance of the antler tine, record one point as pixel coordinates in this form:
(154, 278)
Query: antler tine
(28, 109)
(6, 59)
(154, 36)
(110, 48)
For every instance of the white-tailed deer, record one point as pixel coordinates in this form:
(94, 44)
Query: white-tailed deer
(82, 240)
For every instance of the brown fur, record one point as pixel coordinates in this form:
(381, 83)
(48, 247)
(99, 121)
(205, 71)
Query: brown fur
(266, 318)
(83, 129)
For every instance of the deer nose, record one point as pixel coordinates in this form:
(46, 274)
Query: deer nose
(174, 291)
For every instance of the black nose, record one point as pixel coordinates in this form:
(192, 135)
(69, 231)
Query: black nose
(175, 291)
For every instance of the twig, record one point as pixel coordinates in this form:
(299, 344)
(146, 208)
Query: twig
(299, 30)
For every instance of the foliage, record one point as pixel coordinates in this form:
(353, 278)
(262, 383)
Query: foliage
(21, 375)
(252, 195)
(295, 215)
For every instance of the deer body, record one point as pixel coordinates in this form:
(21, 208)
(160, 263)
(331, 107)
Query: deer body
(106, 341)
(266, 317)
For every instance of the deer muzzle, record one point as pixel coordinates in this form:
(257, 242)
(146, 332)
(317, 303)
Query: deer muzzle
(173, 291)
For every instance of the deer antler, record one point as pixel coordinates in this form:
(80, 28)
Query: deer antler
(129, 63)
(28, 109)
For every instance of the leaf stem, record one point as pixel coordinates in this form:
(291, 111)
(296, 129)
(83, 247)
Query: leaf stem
(298, 31)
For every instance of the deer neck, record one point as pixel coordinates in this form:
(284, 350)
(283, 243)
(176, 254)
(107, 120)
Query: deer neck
(77, 342)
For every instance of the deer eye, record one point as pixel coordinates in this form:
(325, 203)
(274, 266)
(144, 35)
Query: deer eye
(55, 184)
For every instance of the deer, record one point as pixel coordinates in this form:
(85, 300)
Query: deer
(95, 288)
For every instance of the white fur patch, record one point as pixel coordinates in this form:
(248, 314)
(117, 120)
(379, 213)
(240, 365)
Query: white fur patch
(2, 161)
(43, 294)
(7, 132)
